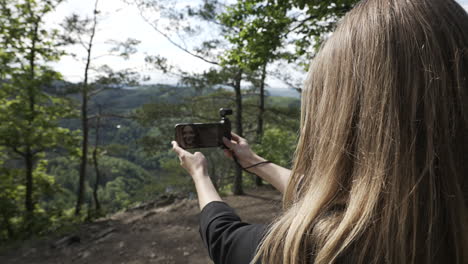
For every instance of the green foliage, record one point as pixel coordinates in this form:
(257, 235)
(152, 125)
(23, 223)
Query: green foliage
(171, 179)
(114, 168)
(115, 194)
(13, 212)
(278, 146)
(12, 192)
(121, 183)
(20, 23)
(283, 113)
(29, 116)
(22, 127)
(264, 27)
(260, 26)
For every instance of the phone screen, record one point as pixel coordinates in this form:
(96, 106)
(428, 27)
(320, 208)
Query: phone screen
(190, 136)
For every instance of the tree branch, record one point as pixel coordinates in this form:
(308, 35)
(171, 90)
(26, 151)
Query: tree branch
(93, 93)
(18, 152)
(105, 55)
(301, 23)
(172, 41)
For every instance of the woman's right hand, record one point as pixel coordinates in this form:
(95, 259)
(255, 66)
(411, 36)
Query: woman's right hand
(239, 147)
(271, 173)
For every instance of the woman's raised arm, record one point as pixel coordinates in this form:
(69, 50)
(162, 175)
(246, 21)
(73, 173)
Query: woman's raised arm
(270, 172)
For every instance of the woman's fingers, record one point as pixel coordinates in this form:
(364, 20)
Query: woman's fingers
(178, 150)
(230, 144)
(237, 138)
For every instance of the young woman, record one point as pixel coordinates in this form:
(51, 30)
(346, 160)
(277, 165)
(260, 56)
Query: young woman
(380, 171)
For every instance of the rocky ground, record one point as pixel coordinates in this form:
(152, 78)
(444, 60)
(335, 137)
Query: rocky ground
(151, 233)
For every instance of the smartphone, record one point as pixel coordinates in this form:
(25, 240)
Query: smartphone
(201, 135)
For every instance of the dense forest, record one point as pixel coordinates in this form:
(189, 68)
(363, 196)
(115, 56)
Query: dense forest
(71, 152)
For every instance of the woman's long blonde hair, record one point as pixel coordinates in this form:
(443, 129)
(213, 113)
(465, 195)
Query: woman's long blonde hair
(380, 171)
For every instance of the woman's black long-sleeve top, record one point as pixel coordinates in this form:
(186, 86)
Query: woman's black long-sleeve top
(227, 238)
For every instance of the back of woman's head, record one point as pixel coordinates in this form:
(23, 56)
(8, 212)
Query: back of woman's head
(379, 174)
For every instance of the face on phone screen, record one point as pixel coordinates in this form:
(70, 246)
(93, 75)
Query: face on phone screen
(198, 135)
(188, 135)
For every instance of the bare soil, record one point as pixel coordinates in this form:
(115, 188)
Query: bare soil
(147, 234)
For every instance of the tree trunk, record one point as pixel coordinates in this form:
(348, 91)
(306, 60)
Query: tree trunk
(96, 165)
(96, 184)
(29, 155)
(237, 186)
(29, 204)
(84, 152)
(261, 111)
(84, 119)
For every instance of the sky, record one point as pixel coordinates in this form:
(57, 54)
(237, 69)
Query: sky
(119, 21)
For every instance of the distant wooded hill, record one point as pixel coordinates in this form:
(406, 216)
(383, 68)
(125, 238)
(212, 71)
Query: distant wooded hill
(121, 100)
(134, 97)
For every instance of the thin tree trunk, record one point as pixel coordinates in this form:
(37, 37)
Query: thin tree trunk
(29, 204)
(96, 184)
(84, 119)
(96, 165)
(237, 186)
(261, 111)
(84, 150)
(261, 107)
(29, 155)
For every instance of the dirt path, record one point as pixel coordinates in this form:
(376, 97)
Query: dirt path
(152, 235)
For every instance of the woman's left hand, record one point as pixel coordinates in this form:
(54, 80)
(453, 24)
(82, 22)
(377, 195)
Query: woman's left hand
(195, 164)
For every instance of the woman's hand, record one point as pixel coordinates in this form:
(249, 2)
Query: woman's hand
(239, 147)
(195, 164)
(272, 173)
